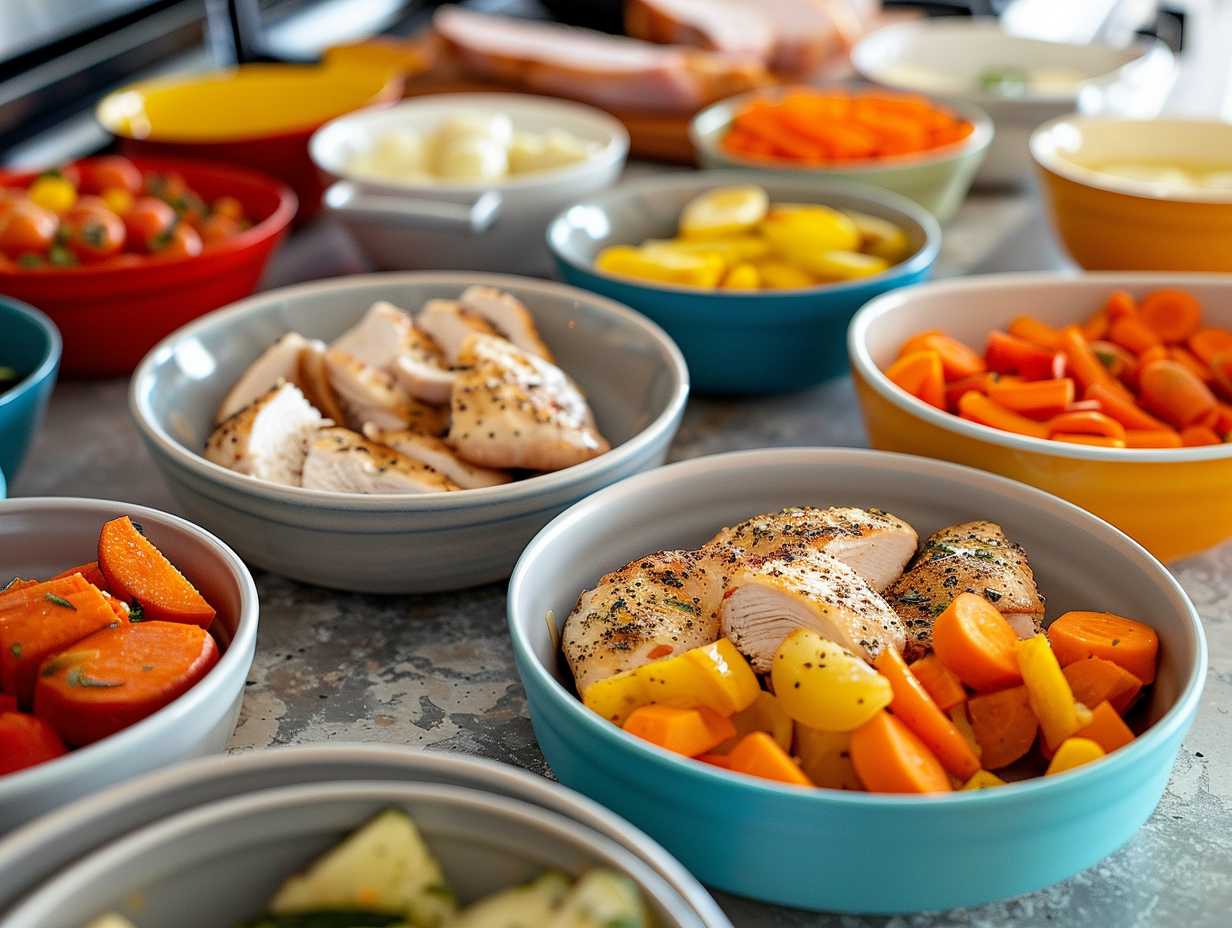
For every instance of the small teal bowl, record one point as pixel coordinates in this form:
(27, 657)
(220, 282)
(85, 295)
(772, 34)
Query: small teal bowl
(850, 851)
(29, 343)
(739, 343)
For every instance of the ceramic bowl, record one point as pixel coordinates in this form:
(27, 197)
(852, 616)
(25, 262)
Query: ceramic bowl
(851, 851)
(1107, 224)
(1171, 500)
(495, 226)
(632, 374)
(29, 344)
(948, 57)
(160, 875)
(738, 343)
(45, 847)
(937, 180)
(40, 537)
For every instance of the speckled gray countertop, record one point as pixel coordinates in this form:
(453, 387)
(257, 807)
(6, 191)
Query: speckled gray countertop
(437, 671)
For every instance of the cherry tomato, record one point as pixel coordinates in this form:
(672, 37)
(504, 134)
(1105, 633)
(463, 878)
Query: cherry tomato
(92, 233)
(229, 207)
(218, 228)
(149, 219)
(99, 174)
(70, 172)
(53, 192)
(182, 241)
(189, 207)
(118, 200)
(165, 186)
(26, 227)
(91, 203)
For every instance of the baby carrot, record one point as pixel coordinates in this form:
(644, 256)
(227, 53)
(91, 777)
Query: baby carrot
(1095, 680)
(1083, 365)
(1129, 644)
(1008, 354)
(1095, 441)
(975, 641)
(1172, 392)
(1086, 423)
(979, 408)
(1030, 329)
(939, 681)
(1173, 315)
(1004, 725)
(957, 360)
(1152, 438)
(890, 758)
(1197, 436)
(1115, 358)
(1132, 334)
(1124, 410)
(979, 383)
(1207, 343)
(920, 373)
(915, 708)
(1038, 397)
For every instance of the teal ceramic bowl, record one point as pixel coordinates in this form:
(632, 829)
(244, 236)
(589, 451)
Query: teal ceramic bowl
(30, 344)
(738, 343)
(850, 851)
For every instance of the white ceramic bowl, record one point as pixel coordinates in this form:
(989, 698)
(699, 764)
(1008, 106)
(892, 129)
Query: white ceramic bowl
(41, 537)
(441, 225)
(1125, 82)
(168, 874)
(632, 373)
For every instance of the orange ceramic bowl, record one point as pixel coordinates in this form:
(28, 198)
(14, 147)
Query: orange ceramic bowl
(111, 314)
(1174, 501)
(257, 116)
(1111, 224)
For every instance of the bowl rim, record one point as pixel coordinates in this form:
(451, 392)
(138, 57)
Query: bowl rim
(667, 763)
(723, 112)
(50, 360)
(613, 152)
(276, 222)
(463, 500)
(237, 654)
(888, 303)
(1043, 148)
(920, 260)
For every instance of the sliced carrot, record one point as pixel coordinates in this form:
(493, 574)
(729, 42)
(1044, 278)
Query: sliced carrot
(1114, 403)
(1169, 390)
(18, 583)
(1196, 365)
(1033, 398)
(973, 639)
(1219, 419)
(979, 408)
(1221, 374)
(1116, 359)
(1173, 315)
(1152, 438)
(715, 760)
(1197, 436)
(138, 571)
(1004, 725)
(1106, 729)
(1132, 334)
(890, 758)
(1208, 343)
(979, 383)
(916, 342)
(1095, 441)
(759, 755)
(1095, 680)
(90, 571)
(685, 731)
(916, 709)
(1129, 644)
(1086, 423)
(1081, 361)
(1120, 304)
(1008, 354)
(957, 360)
(1096, 326)
(26, 741)
(921, 374)
(941, 683)
(1030, 329)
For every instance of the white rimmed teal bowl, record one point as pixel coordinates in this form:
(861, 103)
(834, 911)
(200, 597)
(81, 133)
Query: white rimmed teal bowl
(854, 852)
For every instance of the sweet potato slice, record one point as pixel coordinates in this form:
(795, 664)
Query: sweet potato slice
(90, 571)
(136, 571)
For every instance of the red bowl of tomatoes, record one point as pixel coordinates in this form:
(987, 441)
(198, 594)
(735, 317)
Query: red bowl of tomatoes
(121, 252)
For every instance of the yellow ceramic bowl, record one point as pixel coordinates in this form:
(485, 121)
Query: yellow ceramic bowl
(1174, 501)
(1110, 224)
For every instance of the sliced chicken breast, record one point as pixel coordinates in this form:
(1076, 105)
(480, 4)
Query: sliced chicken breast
(427, 449)
(314, 381)
(771, 596)
(269, 438)
(342, 461)
(973, 557)
(278, 362)
(422, 380)
(510, 317)
(378, 337)
(449, 326)
(371, 395)
(659, 605)
(876, 544)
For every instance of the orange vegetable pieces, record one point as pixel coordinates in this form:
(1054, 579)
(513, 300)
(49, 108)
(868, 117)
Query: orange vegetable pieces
(1173, 315)
(920, 373)
(981, 409)
(1115, 404)
(715, 760)
(136, 570)
(1152, 438)
(915, 708)
(957, 360)
(759, 755)
(890, 758)
(941, 683)
(1116, 359)
(685, 731)
(1095, 680)
(973, 639)
(1189, 360)
(49, 617)
(1128, 644)
(119, 676)
(1196, 436)
(1030, 329)
(1120, 304)
(1082, 364)
(1208, 344)
(1132, 334)
(1173, 393)
(1086, 423)
(1033, 398)
(26, 741)
(979, 383)
(1007, 354)
(90, 571)
(1106, 729)
(1004, 725)
(1096, 441)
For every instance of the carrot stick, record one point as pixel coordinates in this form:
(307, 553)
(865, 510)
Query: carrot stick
(1197, 436)
(1095, 680)
(973, 639)
(1119, 305)
(1106, 729)
(90, 571)
(1208, 343)
(916, 709)
(979, 383)
(921, 374)
(1083, 365)
(941, 683)
(1038, 333)
(1173, 315)
(759, 755)
(1116, 359)
(1033, 398)
(1086, 423)
(957, 360)
(1004, 725)
(979, 408)
(1095, 441)
(890, 758)
(1129, 644)
(1125, 411)
(1170, 391)
(685, 731)
(138, 571)
(1007, 354)
(1132, 334)
(26, 741)
(1152, 438)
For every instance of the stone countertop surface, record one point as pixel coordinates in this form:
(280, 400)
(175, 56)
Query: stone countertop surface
(437, 671)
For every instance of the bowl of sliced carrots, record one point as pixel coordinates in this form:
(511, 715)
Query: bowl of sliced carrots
(126, 635)
(924, 148)
(1113, 391)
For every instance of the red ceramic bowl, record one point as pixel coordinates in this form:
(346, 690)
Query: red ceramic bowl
(111, 315)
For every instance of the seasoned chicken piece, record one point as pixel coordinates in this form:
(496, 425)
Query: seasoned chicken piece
(342, 461)
(769, 597)
(279, 362)
(269, 438)
(371, 395)
(659, 605)
(973, 557)
(449, 325)
(314, 381)
(427, 449)
(875, 544)
(512, 409)
(511, 318)
(423, 380)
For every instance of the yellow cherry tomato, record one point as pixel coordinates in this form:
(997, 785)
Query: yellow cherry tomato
(54, 193)
(118, 200)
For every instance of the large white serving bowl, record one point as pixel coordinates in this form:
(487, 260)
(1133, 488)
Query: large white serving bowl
(41, 537)
(630, 370)
(497, 226)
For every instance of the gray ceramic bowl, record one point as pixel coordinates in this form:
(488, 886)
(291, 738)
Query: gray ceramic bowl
(163, 874)
(41, 537)
(632, 373)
